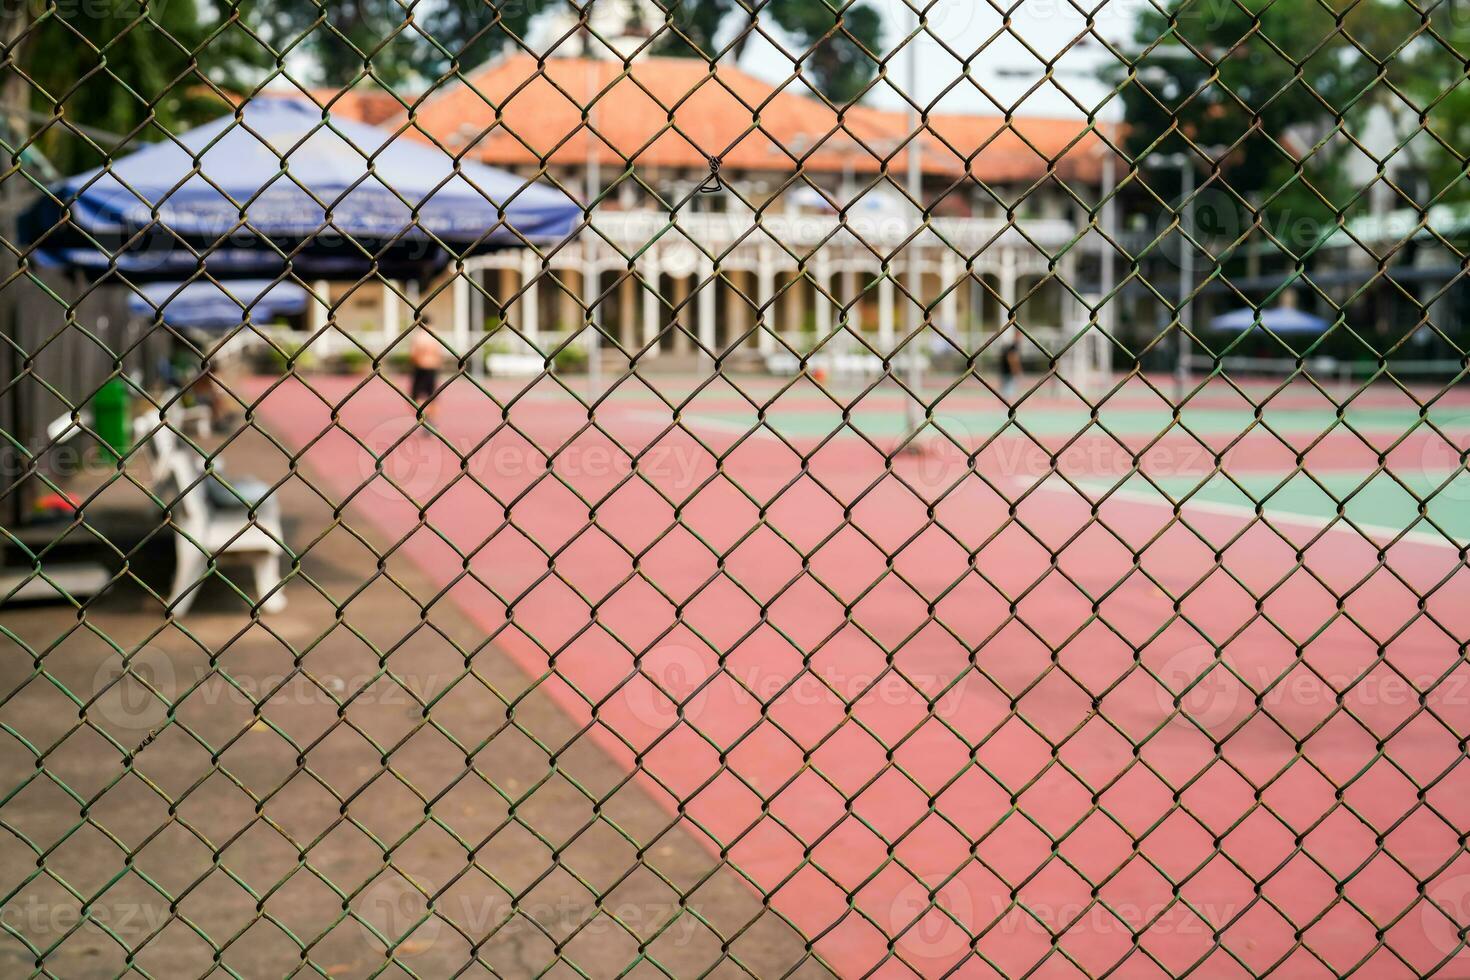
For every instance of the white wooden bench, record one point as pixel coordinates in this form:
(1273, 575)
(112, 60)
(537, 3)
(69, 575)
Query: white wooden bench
(209, 529)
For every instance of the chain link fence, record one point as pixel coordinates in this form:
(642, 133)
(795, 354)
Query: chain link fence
(784, 488)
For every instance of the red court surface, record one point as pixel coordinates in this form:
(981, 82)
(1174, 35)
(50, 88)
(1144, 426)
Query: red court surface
(923, 703)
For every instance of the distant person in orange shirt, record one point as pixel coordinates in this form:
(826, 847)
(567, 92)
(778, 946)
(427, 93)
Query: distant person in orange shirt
(426, 355)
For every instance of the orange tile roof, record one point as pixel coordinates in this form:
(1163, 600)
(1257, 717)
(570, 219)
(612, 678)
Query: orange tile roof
(1000, 153)
(518, 110)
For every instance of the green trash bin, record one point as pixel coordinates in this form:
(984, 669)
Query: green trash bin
(112, 420)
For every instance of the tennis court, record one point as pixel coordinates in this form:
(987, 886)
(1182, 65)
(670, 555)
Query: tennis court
(908, 697)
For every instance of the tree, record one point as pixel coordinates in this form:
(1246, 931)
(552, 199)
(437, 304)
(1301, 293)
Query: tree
(352, 40)
(1439, 92)
(111, 67)
(838, 43)
(1267, 86)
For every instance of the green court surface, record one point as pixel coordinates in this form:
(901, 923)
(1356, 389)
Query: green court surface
(1377, 504)
(1052, 419)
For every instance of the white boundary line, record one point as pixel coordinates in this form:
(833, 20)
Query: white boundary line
(1377, 532)
(1054, 483)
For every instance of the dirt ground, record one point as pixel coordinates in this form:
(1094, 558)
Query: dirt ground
(213, 796)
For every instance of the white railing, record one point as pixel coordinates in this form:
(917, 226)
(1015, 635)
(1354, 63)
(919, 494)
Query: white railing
(882, 232)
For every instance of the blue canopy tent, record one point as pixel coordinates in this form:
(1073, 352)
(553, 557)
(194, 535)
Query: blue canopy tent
(1279, 319)
(278, 186)
(206, 305)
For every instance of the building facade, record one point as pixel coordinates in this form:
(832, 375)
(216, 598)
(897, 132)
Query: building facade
(727, 216)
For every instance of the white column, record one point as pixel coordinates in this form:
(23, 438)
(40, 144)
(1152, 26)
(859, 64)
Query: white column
(462, 312)
(592, 310)
(530, 300)
(1071, 310)
(321, 311)
(390, 314)
(949, 307)
(885, 311)
(1107, 316)
(477, 320)
(706, 326)
(652, 307)
(765, 289)
(823, 276)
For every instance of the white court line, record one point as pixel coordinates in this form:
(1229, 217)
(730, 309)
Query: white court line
(704, 422)
(1377, 532)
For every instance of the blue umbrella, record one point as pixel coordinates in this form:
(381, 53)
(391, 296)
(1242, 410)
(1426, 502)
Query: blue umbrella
(1279, 319)
(206, 305)
(332, 195)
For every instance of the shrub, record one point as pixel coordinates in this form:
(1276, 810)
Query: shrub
(352, 361)
(571, 359)
(285, 355)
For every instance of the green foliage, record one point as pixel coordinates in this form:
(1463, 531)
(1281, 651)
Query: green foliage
(352, 361)
(122, 66)
(285, 356)
(354, 40)
(1271, 83)
(571, 359)
(835, 43)
(1437, 87)
(371, 40)
(399, 360)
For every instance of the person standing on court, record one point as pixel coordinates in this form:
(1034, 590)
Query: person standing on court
(1010, 366)
(426, 355)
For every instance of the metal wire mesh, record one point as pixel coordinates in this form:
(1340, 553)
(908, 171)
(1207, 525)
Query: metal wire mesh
(859, 545)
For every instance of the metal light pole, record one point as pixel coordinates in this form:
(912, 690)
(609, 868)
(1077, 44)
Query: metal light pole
(912, 410)
(1185, 305)
(1186, 278)
(591, 278)
(1107, 315)
(1182, 307)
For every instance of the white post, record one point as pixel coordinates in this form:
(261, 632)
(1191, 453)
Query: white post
(530, 305)
(914, 418)
(591, 290)
(1107, 315)
(321, 310)
(765, 290)
(949, 307)
(885, 311)
(823, 277)
(706, 302)
(462, 313)
(652, 308)
(477, 320)
(389, 328)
